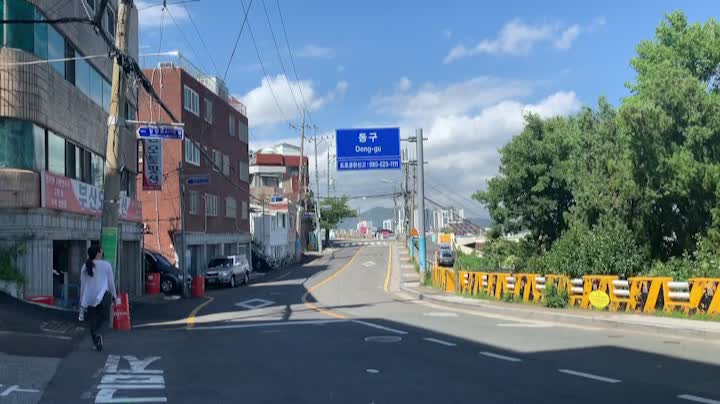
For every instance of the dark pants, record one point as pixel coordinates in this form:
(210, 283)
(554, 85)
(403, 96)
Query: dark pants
(98, 315)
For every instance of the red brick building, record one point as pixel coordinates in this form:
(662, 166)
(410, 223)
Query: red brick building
(216, 214)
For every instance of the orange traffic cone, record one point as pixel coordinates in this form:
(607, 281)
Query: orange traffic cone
(121, 314)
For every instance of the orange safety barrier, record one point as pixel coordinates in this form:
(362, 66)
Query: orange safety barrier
(592, 283)
(523, 286)
(121, 313)
(707, 291)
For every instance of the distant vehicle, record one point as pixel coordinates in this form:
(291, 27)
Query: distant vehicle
(231, 271)
(446, 257)
(262, 262)
(169, 274)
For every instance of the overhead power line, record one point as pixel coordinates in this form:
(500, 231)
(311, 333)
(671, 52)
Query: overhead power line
(185, 38)
(282, 64)
(202, 41)
(245, 21)
(292, 62)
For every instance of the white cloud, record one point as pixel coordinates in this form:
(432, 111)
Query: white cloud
(262, 107)
(457, 98)
(517, 38)
(404, 84)
(464, 131)
(150, 15)
(315, 51)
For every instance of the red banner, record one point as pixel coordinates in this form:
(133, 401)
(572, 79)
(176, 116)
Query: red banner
(63, 193)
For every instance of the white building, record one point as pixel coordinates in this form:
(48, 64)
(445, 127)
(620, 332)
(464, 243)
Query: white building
(272, 229)
(444, 217)
(388, 224)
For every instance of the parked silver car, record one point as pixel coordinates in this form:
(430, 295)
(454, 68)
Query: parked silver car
(231, 270)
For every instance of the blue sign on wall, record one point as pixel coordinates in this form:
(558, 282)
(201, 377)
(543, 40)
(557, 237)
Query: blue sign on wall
(368, 149)
(202, 179)
(161, 132)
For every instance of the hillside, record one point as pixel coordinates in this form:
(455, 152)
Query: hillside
(375, 215)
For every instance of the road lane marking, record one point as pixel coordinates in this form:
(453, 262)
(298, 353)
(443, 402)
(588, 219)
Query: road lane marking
(389, 270)
(379, 327)
(441, 314)
(254, 304)
(269, 324)
(190, 320)
(439, 341)
(523, 325)
(16, 389)
(697, 399)
(501, 357)
(368, 264)
(137, 377)
(313, 306)
(589, 376)
(372, 371)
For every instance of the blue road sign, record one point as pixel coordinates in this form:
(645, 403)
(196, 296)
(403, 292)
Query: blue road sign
(202, 179)
(161, 132)
(368, 149)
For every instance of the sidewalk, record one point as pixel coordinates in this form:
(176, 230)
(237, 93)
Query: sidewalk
(410, 284)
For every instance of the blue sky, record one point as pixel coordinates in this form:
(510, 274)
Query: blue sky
(462, 70)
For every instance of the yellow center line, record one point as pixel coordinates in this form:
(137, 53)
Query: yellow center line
(190, 320)
(387, 277)
(313, 306)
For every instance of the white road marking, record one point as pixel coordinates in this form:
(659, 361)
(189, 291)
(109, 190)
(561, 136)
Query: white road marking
(373, 371)
(589, 376)
(368, 264)
(524, 325)
(137, 377)
(697, 399)
(253, 304)
(501, 357)
(16, 389)
(39, 335)
(439, 341)
(271, 324)
(441, 314)
(379, 327)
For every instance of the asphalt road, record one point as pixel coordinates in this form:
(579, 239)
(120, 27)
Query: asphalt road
(336, 330)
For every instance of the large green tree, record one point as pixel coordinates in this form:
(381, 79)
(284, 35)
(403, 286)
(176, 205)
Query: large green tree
(332, 211)
(531, 191)
(672, 120)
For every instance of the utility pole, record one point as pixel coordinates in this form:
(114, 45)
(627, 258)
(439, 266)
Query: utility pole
(328, 171)
(405, 195)
(301, 182)
(113, 167)
(421, 197)
(317, 198)
(181, 256)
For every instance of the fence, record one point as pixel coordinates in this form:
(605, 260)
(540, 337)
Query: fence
(637, 294)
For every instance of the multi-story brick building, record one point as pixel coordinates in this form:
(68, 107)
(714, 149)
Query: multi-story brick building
(53, 130)
(216, 214)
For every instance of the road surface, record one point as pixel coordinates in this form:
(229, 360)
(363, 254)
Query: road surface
(337, 330)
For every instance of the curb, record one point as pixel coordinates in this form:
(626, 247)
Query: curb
(577, 319)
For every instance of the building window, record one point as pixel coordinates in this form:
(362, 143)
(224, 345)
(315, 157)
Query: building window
(244, 170)
(192, 153)
(208, 111)
(56, 50)
(22, 145)
(70, 160)
(244, 210)
(231, 125)
(194, 202)
(90, 4)
(217, 159)
(211, 205)
(242, 132)
(226, 164)
(70, 63)
(283, 220)
(230, 207)
(82, 76)
(56, 154)
(269, 181)
(110, 21)
(191, 100)
(98, 170)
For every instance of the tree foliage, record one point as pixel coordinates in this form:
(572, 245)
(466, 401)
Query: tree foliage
(620, 190)
(333, 211)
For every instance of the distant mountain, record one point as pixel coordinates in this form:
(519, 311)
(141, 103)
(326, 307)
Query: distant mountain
(481, 221)
(375, 215)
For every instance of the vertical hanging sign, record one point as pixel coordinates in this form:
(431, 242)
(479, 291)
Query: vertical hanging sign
(153, 165)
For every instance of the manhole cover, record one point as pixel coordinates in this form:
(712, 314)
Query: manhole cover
(384, 339)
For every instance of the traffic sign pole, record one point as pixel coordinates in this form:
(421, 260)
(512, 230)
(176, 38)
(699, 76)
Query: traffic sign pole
(421, 202)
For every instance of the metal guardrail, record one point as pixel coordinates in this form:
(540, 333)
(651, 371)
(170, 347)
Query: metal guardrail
(636, 294)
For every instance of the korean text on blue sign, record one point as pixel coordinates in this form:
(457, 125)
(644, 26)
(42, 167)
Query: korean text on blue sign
(368, 149)
(161, 132)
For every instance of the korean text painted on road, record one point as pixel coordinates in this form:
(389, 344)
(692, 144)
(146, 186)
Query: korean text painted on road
(127, 379)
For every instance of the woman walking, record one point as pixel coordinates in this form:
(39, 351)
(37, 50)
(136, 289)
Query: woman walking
(97, 292)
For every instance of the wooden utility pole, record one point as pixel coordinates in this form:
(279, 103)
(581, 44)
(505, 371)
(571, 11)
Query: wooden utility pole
(301, 182)
(113, 168)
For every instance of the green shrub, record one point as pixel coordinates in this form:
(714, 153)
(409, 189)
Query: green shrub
(426, 278)
(508, 297)
(608, 248)
(555, 297)
(8, 269)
